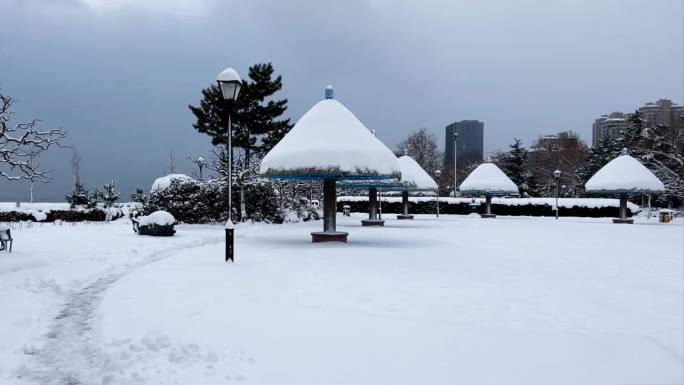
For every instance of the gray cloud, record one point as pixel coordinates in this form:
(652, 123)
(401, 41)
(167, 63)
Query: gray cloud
(119, 79)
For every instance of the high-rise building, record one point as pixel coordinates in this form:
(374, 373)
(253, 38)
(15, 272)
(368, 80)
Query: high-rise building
(662, 112)
(609, 127)
(653, 114)
(470, 142)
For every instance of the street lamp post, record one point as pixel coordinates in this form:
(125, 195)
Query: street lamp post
(438, 173)
(455, 161)
(229, 82)
(557, 174)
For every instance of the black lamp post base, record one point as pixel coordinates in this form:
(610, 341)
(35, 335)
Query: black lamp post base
(372, 222)
(404, 216)
(628, 221)
(329, 236)
(487, 216)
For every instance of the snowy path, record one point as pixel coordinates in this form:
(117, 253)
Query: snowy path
(67, 353)
(70, 353)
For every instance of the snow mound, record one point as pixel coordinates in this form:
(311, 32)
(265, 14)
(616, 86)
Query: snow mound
(161, 218)
(329, 139)
(487, 178)
(414, 176)
(164, 182)
(624, 174)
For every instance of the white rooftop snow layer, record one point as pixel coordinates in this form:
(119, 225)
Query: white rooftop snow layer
(414, 176)
(329, 139)
(488, 178)
(624, 174)
(164, 182)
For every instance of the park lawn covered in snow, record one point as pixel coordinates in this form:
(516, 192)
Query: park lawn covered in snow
(456, 300)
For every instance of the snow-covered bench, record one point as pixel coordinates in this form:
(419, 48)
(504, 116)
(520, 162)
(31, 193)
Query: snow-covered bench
(159, 223)
(5, 239)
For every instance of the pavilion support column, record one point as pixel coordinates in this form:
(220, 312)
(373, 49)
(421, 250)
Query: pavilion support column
(373, 203)
(373, 209)
(488, 208)
(329, 205)
(404, 206)
(329, 233)
(623, 211)
(404, 202)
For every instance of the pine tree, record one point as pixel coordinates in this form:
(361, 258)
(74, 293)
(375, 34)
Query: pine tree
(79, 196)
(632, 136)
(661, 149)
(108, 195)
(254, 114)
(139, 196)
(514, 164)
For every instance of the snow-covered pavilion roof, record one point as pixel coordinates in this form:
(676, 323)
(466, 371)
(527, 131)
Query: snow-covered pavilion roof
(413, 176)
(624, 174)
(330, 141)
(488, 179)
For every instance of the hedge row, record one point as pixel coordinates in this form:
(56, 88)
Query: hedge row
(94, 215)
(533, 210)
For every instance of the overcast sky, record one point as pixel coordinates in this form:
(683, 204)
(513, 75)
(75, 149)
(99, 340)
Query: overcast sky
(118, 74)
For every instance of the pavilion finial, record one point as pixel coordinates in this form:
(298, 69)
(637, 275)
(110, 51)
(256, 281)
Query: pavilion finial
(624, 151)
(405, 151)
(329, 92)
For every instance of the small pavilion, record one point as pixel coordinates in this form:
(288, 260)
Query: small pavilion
(413, 178)
(624, 176)
(488, 180)
(329, 143)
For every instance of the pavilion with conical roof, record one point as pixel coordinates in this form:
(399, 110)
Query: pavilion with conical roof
(487, 179)
(329, 143)
(624, 176)
(413, 178)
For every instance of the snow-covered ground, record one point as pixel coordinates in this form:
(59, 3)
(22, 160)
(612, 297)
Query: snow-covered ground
(456, 300)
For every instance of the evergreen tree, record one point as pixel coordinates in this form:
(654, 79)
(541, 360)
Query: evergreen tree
(254, 114)
(139, 196)
(661, 149)
(108, 195)
(79, 196)
(631, 136)
(514, 164)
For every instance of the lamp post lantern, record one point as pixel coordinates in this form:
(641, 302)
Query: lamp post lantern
(229, 82)
(438, 173)
(455, 161)
(557, 174)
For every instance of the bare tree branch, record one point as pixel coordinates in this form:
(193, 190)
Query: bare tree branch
(20, 144)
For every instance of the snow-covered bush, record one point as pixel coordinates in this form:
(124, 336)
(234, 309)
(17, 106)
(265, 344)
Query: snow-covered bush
(158, 223)
(192, 201)
(570, 207)
(51, 215)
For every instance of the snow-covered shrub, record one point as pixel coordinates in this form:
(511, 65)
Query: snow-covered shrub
(74, 215)
(570, 207)
(191, 201)
(158, 223)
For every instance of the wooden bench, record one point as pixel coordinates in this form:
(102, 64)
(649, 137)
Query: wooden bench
(5, 239)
